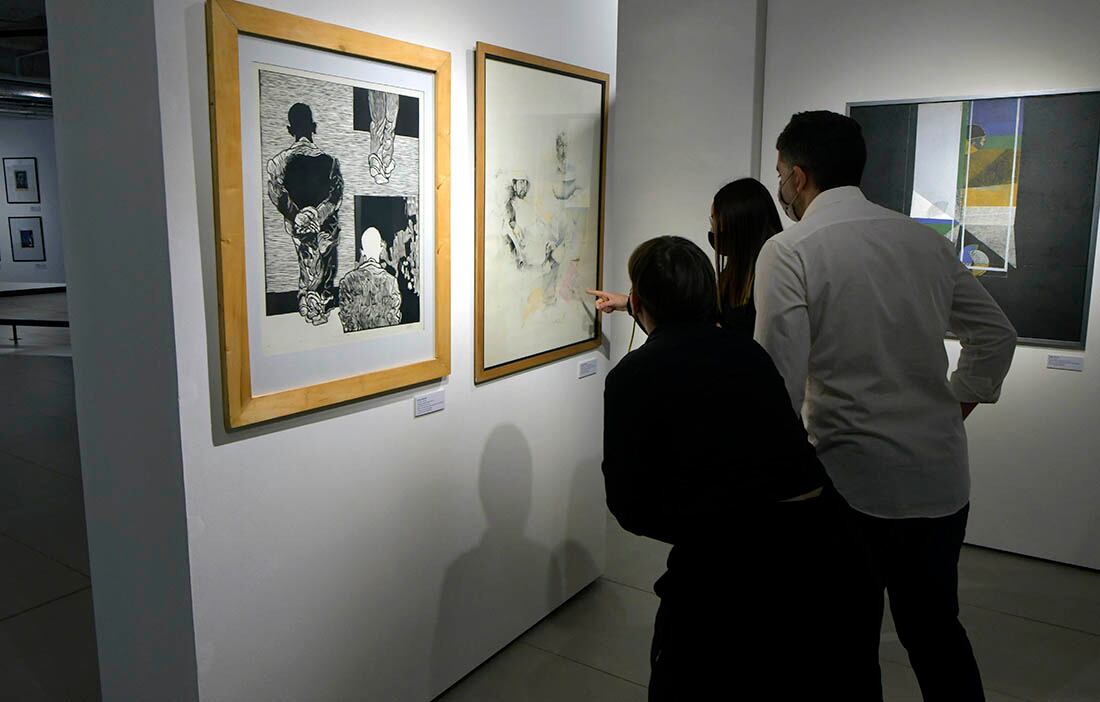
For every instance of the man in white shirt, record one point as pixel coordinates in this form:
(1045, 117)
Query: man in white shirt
(853, 303)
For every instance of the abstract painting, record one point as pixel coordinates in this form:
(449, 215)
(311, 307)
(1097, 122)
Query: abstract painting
(27, 244)
(21, 180)
(333, 211)
(1011, 182)
(541, 149)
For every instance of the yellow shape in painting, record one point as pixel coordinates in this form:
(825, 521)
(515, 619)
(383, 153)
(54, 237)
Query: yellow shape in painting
(992, 196)
(534, 303)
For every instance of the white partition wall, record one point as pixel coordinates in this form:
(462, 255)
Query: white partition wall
(107, 122)
(1036, 478)
(355, 553)
(684, 122)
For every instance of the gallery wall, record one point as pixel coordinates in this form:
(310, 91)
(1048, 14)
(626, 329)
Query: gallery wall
(683, 125)
(1033, 455)
(359, 553)
(104, 75)
(21, 138)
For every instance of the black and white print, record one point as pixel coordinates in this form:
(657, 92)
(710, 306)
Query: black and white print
(341, 172)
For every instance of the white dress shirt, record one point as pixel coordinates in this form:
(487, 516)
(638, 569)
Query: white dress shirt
(852, 304)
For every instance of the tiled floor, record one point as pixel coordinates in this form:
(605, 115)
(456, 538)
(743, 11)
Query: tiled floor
(47, 639)
(1035, 626)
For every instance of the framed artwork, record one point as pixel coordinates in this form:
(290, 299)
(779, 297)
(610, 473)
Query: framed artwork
(1012, 182)
(21, 180)
(27, 243)
(541, 133)
(332, 207)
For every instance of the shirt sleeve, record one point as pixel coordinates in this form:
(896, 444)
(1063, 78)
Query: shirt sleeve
(782, 316)
(987, 337)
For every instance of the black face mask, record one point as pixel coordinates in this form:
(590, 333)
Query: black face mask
(712, 237)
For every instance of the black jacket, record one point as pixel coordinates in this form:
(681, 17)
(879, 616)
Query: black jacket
(700, 437)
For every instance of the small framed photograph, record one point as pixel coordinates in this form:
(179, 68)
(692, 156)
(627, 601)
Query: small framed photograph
(21, 180)
(27, 243)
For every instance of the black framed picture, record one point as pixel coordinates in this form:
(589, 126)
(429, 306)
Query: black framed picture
(27, 242)
(21, 180)
(1011, 181)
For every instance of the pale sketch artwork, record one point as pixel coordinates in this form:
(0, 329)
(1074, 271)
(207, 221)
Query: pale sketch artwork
(541, 210)
(341, 186)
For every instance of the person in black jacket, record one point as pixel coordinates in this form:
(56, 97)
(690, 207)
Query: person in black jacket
(703, 451)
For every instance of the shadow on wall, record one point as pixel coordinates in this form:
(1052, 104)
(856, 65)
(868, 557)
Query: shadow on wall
(506, 582)
(585, 523)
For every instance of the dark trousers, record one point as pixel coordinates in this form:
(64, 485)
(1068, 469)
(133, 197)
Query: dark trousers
(916, 561)
(768, 617)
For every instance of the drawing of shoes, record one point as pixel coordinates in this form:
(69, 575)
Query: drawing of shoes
(374, 165)
(388, 166)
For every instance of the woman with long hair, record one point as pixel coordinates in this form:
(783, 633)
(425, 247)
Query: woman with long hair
(742, 217)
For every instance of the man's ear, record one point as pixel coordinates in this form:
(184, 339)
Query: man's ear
(804, 181)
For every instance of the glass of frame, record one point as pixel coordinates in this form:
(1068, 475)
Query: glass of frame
(1011, 181)
(541, 140)
(27, 242)
(332, 201)
(21, 180)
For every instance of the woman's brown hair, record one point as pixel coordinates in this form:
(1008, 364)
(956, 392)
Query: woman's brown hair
(745, 217)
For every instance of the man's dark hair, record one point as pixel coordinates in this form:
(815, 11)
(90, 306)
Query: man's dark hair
(828, 146)
(300, 120)
(674, 280)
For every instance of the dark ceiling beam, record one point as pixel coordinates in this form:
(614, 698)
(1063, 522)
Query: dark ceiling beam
(14, 32)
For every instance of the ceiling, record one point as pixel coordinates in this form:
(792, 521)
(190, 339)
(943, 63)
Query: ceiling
(24, 60)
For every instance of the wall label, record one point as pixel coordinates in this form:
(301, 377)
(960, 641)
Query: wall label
(427, 404)
(1069, 363)
(586, 368)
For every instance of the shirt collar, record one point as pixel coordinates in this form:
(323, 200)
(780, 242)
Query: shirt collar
(833, 196)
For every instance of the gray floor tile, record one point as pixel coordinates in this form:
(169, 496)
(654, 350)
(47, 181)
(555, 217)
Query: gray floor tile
(522, 673)
(899, 684)
(1026, 659)
(28, 579)
(49, 653)
(633, 560)
(23, 483)
(1030, 588)
(47, 441)
(608, 626)
(54, 527)
(37, 341)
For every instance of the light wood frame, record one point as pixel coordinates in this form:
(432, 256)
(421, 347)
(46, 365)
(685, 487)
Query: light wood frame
(226, 21)
(484, 51)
